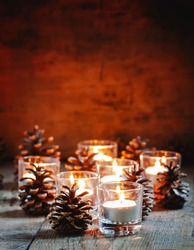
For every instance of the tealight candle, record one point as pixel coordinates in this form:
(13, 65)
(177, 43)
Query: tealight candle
(114, 170)
(111, 178)
(101, 157)
(152, 171)
(105, 149)
(86, 181)
(36, 176)
(120, 207)
(81, 188)
(120, 211)
(154, 162)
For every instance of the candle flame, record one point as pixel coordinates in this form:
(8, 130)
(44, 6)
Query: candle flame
(163, 160)
(122, 197)
(157, 164)
(118, 189)
(96, 151)
(72, 179)
(117, 169)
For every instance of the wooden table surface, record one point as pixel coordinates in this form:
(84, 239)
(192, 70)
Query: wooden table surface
(162, 230)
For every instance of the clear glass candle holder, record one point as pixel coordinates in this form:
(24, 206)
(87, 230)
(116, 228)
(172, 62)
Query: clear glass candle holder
(36, 183)
(154, 161)
(86, 181)
(105, 149)
(120, 208)
(114, 170)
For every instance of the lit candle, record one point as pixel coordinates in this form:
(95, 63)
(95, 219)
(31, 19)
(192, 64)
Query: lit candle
(118, 170)
(121, 210)
(101, 157)
(81, 188)
(111, 178)
(152, 171)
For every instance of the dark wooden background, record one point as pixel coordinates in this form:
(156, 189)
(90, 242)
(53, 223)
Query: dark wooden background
(101, 69)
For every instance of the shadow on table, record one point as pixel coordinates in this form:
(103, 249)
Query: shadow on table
(13, 214)
(53, 234)
(10, 186)
(17, 213)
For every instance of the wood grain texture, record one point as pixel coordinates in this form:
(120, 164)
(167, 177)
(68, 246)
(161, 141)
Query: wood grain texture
(162, 230)
(96, 70)
(17, 230)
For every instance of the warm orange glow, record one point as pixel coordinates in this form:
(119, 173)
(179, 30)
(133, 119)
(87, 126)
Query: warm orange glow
(118, 170)
(118, 189)
(95, 150)
(81, 184)
(157, 164)
(72, 179)
(163, 160)
(121, 195)
(101, 157)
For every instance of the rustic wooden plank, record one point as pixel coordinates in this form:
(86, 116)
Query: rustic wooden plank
(162, 230)
(17, 230)
(96, 69)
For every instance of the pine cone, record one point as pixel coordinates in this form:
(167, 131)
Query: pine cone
(70, 214)
(36, 144)
(81, 161)
(170, 192)
(135, 148)
(148, 193)
(37, 190)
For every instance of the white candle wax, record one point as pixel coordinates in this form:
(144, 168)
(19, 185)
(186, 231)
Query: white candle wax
(120, 211)
(81, 188)
(102, 157)
(111, 178)
(86, 196)
(152, 171)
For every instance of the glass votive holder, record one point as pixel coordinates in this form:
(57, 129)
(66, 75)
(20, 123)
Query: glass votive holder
(120, 208)
(105, 149)
(86, 181)
(36, 183)
(114, 170)
(154, 161)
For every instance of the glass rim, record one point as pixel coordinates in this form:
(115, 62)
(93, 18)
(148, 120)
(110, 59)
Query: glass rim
(138, 186)
(91, 175)
(54, 160)
(97, 143)
(166, 153)
(110, 162)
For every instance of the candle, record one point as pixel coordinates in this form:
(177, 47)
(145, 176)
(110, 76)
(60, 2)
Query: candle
(118, 170)
(103, 147)
(101, 157)
(120, 208)
(111, 178)
(152, 171)
(120, 211)
(81, 188)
